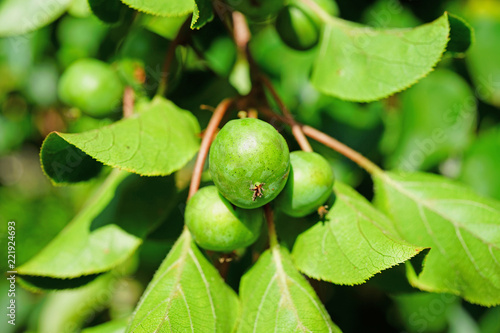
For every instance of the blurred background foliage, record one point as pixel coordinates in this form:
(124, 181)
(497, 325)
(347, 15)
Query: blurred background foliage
(448, 123)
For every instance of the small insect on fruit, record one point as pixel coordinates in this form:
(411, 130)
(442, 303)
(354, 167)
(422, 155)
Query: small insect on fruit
(249, 150)
(257, 189)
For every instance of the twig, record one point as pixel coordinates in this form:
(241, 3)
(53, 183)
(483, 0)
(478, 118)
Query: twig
(296, 129)
(273, 239)
(213, 124)
(338, 146)
(180, 39)
(328, 141)
(241, 32)
(128, 102)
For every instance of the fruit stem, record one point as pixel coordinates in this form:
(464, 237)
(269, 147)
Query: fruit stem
(181, 38)
(296, 128)
(271, 230)
(128, 102)
(208, 137)
(341, 148)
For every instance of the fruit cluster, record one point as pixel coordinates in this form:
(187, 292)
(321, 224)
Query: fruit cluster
(251, 165)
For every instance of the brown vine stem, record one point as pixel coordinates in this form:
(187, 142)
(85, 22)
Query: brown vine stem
(271, 229)
(330, 142)
(213, 124)
(241, 32)
(296, 128)
(341, 148)
(128, 102)
(180, 39)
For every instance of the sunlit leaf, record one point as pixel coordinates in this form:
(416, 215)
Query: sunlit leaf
(363, 64)
(21, 16)
(157, 141)
(355, 242)
(162, 7)
(186, 294)
(461, 228)
(275, 297)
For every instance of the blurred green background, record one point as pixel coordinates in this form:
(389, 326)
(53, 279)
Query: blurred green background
(449, 123)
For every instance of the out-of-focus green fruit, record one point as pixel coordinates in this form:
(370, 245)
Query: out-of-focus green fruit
(92, 86)
(299, 26)
(297, 29)
(218, 226)
(249, 162)
(309, 185)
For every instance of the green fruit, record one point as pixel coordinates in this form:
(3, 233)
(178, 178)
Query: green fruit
(299, 26)
(218, 226)
(309, 185)
(92, 86)
(249, 162)
(257, 10)
(297, 29)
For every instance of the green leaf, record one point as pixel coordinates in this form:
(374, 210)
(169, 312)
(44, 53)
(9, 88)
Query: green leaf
(186, 294)
(275, 297)
(387, 14)
(413, 309)
(162, 7)
(461, 228)
(73, 307)
(483, 66)
(113, 326)
(157, 141)
(109, 228)
(64, 163)
(437, 119)
(18, 17)
(167, 27)
(481, 163)
(109, 11)
(461, 36)
(360, 63)
(356, 242)
(202, 13)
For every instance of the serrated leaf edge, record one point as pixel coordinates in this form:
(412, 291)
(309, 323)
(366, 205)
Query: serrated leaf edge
(156, 14)
(373, 99)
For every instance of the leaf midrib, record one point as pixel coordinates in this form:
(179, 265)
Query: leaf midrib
(179, 264)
